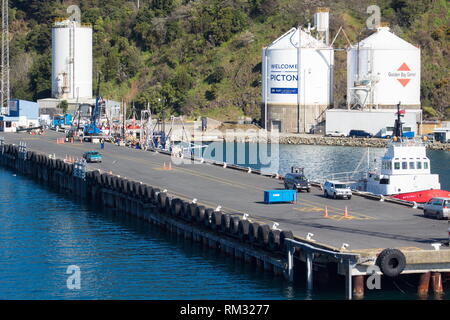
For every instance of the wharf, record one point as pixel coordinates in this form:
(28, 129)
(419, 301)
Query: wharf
(370, 227)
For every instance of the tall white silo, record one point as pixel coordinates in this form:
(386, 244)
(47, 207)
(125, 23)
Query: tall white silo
(383, 70)
(71, 60)
(289, 105)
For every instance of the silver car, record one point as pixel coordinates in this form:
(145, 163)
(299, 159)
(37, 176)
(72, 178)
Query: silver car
(336, 190)
(437, 207)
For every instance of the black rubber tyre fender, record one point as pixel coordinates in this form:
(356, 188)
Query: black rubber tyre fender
(60, 163)
(142, 188)
(285, 234)
(148, 193)
(243, 227)
(216, 219)
(88, 175)
(29, 154)
(274, 240)
(136, 187)
(176, 207)
(185, 210)
(129, 188)
(263, 235)
(253, 232)
(104, 181)
(207, 217)
(98, 179)
(192, 209)
(95, 176)
(115, 183)
(168, 205)
(108, 182)
(234, 225)
(70, 169)
(154, 195)
(132, 189)
(225, 223)
(200, 213)
(391, 262)
(162, 200)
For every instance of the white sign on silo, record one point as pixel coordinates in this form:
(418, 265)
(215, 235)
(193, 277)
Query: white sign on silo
(383, 69)
(71, 60)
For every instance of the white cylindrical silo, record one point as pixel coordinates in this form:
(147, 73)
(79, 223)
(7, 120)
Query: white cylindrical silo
(71, 60)
(290, 105)
(387, 68)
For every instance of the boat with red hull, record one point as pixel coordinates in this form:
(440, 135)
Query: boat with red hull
(422, 196)
(405, 171)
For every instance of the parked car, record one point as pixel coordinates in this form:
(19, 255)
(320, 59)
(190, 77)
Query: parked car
(335, 134)
(336, 190)
(92, 156)
(359, 134)
(437, 207)
(296, 181)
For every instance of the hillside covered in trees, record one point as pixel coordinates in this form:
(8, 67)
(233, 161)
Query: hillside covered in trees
(197, 57)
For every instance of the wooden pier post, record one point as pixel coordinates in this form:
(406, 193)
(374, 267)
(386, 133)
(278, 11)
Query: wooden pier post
(424, 283)
(436, 282)
(358, 287)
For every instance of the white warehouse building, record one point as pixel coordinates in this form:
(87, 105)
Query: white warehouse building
(378, 122)
(295, 99)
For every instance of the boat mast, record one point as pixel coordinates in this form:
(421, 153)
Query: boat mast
(398, 128)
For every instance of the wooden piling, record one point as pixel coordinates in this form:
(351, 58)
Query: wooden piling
(424, 283)
(436, 283)
(358, 287)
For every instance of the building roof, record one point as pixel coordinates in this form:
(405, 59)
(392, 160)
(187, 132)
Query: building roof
(289, 40)
(384, 39)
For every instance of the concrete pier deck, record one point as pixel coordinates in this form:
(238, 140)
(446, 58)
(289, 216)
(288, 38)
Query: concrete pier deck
(370, 227)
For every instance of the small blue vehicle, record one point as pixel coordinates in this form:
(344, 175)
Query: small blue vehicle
(93, 156)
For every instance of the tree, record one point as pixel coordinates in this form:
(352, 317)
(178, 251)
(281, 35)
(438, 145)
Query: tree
(64, 105)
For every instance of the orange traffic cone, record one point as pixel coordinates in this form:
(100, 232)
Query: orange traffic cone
(326, 212)
(346, 213)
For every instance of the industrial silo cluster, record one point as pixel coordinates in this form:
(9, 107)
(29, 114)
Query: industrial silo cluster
(382, 70)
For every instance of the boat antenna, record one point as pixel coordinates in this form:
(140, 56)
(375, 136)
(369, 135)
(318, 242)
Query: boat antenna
(398, 128)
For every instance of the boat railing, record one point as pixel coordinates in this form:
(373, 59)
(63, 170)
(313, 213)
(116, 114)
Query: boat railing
(407, 143)
(345, 177)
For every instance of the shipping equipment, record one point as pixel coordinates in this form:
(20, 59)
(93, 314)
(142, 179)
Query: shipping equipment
(275, 196)
(91, 130)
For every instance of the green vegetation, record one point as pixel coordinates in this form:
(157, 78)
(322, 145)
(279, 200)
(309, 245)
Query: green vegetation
(204, 56)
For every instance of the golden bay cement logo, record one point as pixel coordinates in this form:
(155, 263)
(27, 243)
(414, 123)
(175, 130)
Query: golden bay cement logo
(403, 74)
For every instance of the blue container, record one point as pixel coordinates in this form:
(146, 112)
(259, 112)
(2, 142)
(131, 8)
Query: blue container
(273, 196)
